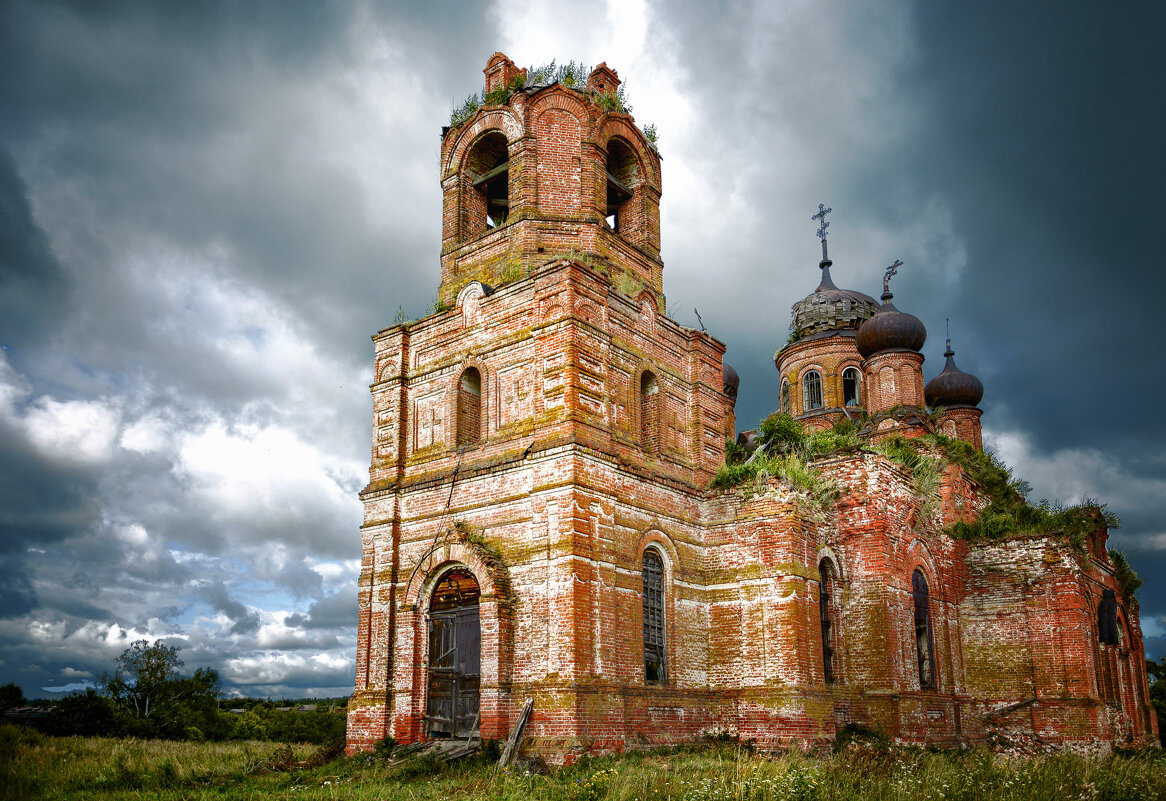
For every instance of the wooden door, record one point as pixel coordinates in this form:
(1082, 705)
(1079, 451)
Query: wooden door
(454, 657)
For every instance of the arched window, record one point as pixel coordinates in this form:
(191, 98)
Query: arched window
(826, 612)
(486, 193)
(812, 390)
(924, 652)
(649, 412)
(851, 390)
(1107, 618)
(655, 660)
(622, 172)
(785, 399)
(469, 407)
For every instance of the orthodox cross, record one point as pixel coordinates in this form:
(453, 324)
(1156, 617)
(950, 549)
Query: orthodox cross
(892, 270)
(702, 328)
(821, 217)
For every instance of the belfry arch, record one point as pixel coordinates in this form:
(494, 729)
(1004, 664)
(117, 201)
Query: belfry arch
(485, 185)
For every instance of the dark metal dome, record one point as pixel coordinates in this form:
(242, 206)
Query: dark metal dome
(829, 308)
(953, 387)
(732, 380)
(889, 329)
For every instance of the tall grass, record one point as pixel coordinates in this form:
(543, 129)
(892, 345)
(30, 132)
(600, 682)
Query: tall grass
(37, 767)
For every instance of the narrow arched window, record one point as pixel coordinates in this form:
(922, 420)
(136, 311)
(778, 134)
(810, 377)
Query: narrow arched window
(785, 399)
(655, 661)
(486, 192)
(924, 652)
(812, 390)
(469, 407)
(826, 613)
(649, 412)
(851, 391)
(1107, 618)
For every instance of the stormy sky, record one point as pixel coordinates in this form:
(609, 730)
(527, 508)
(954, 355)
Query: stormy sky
(207, 208)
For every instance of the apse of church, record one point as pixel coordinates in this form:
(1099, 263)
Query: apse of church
(539, 522)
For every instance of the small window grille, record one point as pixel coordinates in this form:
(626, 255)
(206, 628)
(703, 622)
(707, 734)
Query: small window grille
(785, 399)
(655, 663)
(924, 652)
(851, 395)
(812, 390)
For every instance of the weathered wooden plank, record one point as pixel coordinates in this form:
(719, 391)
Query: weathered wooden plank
(494, 173)
(514, 741)
(619, 185)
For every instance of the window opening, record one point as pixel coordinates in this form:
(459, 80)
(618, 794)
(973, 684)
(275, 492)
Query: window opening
(924, 651)
(812, 390)
(488, 169)
(785, 399)
(825, 599)
(622, 171)
(851, 395)
(469, 407)
(1107, 618)
(649, 412)
(455, 650)
(655, 664)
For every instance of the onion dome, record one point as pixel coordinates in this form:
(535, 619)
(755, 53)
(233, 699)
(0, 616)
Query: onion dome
(830, 308)
(889, 328)
(732, 380)
(953, 387)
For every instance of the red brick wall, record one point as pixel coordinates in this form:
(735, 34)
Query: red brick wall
(553, 507)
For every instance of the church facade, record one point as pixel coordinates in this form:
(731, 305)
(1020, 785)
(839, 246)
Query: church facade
(539, 521)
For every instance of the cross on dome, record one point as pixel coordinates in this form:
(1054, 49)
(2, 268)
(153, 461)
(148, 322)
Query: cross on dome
(821, 217)
(891, 270)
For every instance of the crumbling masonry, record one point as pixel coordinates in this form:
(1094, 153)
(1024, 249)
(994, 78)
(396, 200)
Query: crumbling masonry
(539, 521)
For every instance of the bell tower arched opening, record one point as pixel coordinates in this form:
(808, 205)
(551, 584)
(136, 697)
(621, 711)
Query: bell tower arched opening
(455, 656)
(623, 172)
(486, 185)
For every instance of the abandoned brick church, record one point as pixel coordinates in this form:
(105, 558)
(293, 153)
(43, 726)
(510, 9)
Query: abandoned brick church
(539, 521)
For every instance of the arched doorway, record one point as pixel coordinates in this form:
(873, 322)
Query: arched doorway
(455, 651)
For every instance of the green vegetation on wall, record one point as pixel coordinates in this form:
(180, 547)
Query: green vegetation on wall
(572, 75)
(787, 452)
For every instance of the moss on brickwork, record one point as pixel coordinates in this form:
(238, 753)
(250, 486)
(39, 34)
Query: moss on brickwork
(1127, 578)
(571, 75)
(997, 668)
(1009, 514)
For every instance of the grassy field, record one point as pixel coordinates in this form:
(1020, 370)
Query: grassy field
(37, 767)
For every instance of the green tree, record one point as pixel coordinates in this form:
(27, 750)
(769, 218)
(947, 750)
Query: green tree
(1157, 671)
(85, 714)
(11, 696)
(161, 701)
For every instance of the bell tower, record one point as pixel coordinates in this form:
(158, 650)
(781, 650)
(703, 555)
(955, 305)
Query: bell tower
(543, 170)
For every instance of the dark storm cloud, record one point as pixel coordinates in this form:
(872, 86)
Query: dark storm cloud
(243, 620)
(334, 611)
(188, 246)
(206, 209)
(1060, 228)
(29, 275)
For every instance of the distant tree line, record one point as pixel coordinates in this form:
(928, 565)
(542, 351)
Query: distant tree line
(149, 696)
